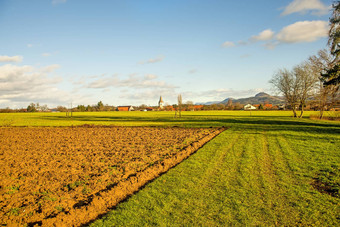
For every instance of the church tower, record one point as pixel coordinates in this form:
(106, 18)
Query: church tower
(161, 103)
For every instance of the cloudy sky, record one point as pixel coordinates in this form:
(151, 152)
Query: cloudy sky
(130, 51)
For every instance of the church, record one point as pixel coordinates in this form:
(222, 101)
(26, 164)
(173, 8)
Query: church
(160, 103)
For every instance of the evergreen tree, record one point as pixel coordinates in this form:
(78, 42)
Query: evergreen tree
(332, 75)
(334, 31)
(31, 108)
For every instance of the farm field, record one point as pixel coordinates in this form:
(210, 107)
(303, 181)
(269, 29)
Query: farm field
(266, 169)
(70, 175)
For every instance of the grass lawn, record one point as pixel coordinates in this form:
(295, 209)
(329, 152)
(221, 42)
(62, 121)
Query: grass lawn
(267, 169)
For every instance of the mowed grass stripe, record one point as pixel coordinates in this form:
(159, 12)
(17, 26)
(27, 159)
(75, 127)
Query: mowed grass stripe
(218, 182)
(254, 195)
(276, 179)
(242, 176)
(298, 203)
(268, 181)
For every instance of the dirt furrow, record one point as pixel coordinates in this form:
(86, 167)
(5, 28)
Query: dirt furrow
(70, 175)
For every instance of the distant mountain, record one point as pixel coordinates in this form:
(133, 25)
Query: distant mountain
(259, 98)
(226, 100)
(207, 103)
(262, 94)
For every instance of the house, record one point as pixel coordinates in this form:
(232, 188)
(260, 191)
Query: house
(169, 108)
(125, 108)
(249, 107)
(282, 107)
(268, 106)
(198, 107)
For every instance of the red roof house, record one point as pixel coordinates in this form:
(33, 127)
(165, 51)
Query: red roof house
(268, 106)
(198, 107)
(125, 108)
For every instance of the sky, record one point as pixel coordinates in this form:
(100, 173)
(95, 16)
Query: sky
(131, 52)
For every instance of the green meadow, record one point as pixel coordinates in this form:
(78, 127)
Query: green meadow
(162, 118)
(267, 168)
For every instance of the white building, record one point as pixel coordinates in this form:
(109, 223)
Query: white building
(249, 107)
(161, 103)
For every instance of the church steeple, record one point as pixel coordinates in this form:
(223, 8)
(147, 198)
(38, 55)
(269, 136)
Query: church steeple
(161, 103)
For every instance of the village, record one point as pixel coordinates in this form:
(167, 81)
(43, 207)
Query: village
(163, 106)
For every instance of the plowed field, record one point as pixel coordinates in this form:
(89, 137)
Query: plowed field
(70, 175)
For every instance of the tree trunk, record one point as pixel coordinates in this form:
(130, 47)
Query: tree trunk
(294, 111)
(321, 112)
(301, 112)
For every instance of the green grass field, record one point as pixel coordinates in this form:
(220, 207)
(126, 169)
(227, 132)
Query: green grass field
(189, 119)
(266, 169)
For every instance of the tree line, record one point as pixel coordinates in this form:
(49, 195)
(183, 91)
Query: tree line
(316, 78)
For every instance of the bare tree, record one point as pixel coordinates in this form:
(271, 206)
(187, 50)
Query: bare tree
(179, 99)
(286, 83)
(44, 108)
(325, 95)
(297, 85)
(180, 105)
(307, 83)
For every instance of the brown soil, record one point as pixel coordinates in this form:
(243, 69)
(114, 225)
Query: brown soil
(68, 176)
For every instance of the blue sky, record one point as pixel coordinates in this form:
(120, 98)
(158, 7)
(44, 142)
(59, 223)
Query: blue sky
(126, 52)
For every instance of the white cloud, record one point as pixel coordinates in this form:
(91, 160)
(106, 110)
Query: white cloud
(153, 60)
(304, 6)
(29, 45)
(150, 96)
(104, 83)
(46, 54)
(150, 76)
(5, 58)
(50, 68)
(13, 72)
(132, 81)
(303, 31)
(228, 44)
(55, 2)
(263, 36)
(20, 85)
